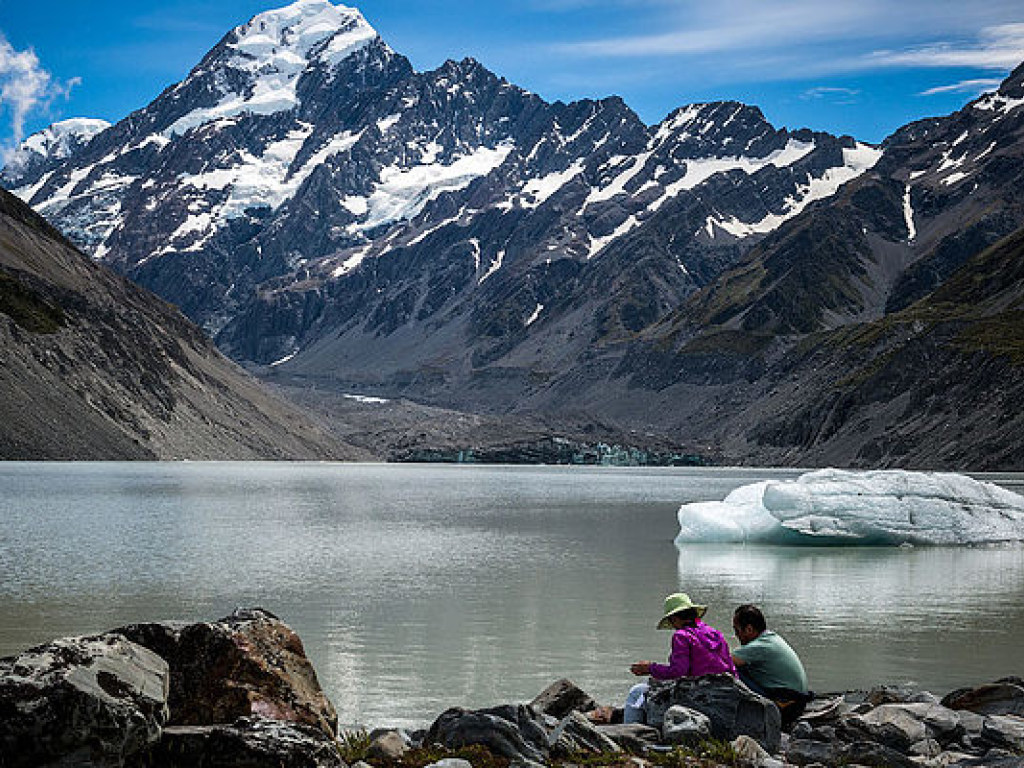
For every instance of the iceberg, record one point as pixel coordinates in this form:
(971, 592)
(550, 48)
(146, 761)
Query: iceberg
(837, 507)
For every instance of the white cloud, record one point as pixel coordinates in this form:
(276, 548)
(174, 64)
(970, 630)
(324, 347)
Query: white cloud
(807, 37)
(25, 87)
(834, 94)
(978, 86)
(998, 47)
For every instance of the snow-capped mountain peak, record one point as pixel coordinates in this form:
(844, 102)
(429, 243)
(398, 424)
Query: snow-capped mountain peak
(307, 30)
(258, 67)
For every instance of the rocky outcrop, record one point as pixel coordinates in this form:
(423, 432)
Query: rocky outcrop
(247, 664)
(234, 692)
(93, 701)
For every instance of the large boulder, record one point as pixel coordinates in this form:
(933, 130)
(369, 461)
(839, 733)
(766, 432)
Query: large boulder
(734, 710)
(511, 731)
(1003, 697)
(247, 664)
(250, 742)
(81, 701)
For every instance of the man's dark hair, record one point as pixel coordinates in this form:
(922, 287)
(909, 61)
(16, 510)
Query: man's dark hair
(750, 616)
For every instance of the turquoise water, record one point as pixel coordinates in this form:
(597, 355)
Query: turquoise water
(420, 587)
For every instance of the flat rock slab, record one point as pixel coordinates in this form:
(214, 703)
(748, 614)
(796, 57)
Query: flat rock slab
(81, 701)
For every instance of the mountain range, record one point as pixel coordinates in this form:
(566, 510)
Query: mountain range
(454, 256)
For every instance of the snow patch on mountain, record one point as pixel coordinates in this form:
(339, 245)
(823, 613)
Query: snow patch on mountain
(403, 192)
(701, 169)
(494, 266)
(537, 191)
(999, 103)
(55, 142)
(857, 160)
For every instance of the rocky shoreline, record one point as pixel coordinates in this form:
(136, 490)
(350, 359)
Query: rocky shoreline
(240, 693)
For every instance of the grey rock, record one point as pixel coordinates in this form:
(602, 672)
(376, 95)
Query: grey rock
(387, 746)
(562, 697)
(1004, 731)
(510, 731)
(451, 762)
(632, 737)
(807, 752)
(899, 694)
(901, 725)
(993, 759)
(83, 700)
(825, 709)
(734, 710)
(925, 748)
(947, 758)
(1003, 697)
(973, 723)
(682, 725)
(870, 753)
(249, 742)
(801, 730)
(575, 733)
(752, 753)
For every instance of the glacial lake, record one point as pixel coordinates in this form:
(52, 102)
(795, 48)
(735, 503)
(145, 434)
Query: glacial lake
(419, 587)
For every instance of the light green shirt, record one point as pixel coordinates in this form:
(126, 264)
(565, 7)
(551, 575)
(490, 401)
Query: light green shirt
(771, 663)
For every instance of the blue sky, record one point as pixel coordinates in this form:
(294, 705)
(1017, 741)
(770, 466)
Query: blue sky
(863, 67)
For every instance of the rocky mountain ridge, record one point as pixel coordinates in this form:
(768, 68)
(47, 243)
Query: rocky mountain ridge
(94, 367)
(345, 224)
(303, 145)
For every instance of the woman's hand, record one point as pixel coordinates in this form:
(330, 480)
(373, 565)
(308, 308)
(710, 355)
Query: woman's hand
(641, 668)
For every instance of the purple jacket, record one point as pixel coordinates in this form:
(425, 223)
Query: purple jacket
(696, 651)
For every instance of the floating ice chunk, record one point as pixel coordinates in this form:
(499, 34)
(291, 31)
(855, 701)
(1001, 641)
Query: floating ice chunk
(836, 507)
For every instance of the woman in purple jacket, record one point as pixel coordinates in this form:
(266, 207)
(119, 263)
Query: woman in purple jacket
(697, 649)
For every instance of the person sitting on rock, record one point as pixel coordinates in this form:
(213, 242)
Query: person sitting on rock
(767, 665)
(697, 649)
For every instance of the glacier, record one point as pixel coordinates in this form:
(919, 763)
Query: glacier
(839, 507)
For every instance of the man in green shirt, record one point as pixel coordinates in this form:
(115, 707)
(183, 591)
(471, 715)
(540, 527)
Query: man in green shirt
(767, 665)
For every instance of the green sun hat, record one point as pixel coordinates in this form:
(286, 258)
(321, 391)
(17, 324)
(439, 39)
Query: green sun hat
(675, 603)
